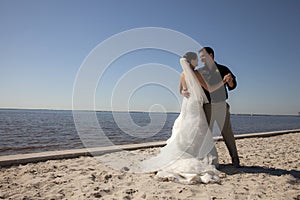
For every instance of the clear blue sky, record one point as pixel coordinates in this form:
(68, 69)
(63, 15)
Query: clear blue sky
(43, 44)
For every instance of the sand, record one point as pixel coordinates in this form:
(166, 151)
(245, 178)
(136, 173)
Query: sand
(271, 170)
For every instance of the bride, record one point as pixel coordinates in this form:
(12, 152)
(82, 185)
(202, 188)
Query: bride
(190, 155)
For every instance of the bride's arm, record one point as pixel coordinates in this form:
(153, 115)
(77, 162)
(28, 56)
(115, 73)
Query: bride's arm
(182, 85)
(210, 88)
(183, 90)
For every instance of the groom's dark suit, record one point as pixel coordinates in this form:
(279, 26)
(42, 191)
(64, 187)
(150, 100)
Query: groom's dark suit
(217, 109)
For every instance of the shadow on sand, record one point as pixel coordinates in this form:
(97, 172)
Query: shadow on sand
(230, 170)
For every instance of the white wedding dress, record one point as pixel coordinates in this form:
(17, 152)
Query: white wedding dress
(190, 155)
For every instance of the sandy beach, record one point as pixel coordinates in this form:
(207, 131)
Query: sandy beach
(271, 170)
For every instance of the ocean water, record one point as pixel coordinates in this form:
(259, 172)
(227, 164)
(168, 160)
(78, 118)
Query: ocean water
(28, 131)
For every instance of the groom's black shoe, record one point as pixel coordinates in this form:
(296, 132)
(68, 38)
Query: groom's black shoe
(236, 162)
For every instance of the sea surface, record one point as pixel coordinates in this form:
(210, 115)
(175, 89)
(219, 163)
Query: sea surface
(28, 131)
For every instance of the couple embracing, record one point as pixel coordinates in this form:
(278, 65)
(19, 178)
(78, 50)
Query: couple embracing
(190, 155)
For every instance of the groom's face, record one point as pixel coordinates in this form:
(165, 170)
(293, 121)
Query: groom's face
(205, 57)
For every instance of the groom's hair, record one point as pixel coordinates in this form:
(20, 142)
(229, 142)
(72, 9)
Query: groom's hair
(189, 56)
(209, 50)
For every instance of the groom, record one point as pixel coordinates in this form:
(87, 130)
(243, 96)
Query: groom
(217, 109)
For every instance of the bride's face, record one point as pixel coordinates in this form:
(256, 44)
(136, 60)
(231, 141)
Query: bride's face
(194, 63)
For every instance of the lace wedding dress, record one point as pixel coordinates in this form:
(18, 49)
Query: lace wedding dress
(190, 155)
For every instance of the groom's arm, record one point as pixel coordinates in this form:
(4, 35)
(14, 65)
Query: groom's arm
(230, 79)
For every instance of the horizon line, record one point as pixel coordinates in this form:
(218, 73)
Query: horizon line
(52, 109)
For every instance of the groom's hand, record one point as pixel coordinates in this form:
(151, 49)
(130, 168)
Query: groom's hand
(185, 93)
(228, 78)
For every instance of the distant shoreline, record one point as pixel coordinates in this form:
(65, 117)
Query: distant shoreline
(234, 114)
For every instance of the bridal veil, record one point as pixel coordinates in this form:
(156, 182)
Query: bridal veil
(189, 155)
